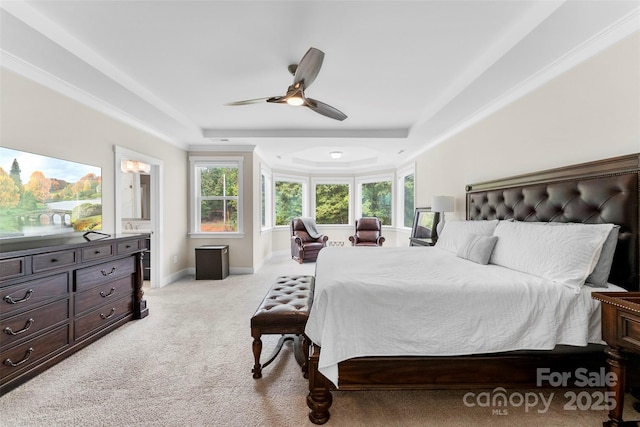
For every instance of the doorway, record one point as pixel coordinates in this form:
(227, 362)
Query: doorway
(138, 201)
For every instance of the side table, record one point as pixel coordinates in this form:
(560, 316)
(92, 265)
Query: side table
(621, 331)
(212, 262)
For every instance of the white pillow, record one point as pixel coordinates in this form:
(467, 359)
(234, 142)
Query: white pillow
(455, 233)
(565, 255)
(600, 275)
(477, 248)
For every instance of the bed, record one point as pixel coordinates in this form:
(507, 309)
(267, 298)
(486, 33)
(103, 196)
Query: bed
(604, 192)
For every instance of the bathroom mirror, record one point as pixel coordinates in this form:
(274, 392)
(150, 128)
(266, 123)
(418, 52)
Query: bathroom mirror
(135, 191)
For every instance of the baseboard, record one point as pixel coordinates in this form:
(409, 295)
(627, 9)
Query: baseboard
(175, 277)
(191, 271)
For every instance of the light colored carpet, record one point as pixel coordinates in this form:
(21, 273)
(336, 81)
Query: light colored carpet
(189, 364)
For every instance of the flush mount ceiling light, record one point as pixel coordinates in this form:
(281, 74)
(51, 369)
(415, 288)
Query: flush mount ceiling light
(296, 100)
(335, 154)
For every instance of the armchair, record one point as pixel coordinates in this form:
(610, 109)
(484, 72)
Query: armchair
(368, 232)
(306, 242)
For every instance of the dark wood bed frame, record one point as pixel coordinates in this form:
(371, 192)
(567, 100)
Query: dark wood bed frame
(594, 192)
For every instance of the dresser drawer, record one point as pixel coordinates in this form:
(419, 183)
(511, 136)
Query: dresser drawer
(53, 260)
(102, 294)
(28, 295)
(88, 277)
(102, 317)
(13, 267)
(630, 330)
(131, 246)
(96, 252)
(25, 325)
(31, 352)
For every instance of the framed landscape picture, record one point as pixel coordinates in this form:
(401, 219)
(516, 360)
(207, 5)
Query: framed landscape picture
(424, 224)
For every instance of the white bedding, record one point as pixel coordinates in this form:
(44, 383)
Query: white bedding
(424, 301)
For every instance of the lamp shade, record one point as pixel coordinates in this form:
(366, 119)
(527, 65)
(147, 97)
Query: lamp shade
(442, 204)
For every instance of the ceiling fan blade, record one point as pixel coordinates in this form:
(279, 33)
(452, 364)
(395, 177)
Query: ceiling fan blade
(309, 67)
(325, 109)
(277, 99)
(247, 101)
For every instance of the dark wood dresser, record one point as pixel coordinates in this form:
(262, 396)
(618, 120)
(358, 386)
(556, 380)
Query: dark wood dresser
(59, 295)
(621, 331)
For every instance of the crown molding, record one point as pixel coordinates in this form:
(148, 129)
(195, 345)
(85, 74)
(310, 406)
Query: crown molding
(615, 33)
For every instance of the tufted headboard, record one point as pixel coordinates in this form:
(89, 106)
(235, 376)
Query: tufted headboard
(605, 191)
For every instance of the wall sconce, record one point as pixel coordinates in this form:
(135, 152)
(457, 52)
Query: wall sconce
(134, 166)
(442, 204)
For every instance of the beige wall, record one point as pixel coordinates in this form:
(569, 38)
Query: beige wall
(241, 257)
(39, 120)
(262, 244)
(590, 112)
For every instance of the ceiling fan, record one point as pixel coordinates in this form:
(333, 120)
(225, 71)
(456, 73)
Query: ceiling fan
(304, 74)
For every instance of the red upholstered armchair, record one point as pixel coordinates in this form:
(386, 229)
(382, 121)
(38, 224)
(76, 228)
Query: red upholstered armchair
(306, 242)
(368, 232)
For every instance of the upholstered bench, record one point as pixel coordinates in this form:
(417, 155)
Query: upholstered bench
(284, 311)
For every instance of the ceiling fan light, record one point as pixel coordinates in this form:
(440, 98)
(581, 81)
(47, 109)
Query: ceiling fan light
(296, 101)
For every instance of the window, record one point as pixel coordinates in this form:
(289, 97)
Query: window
(216, 188)
(406, 197)
(332, 201)
(265, 199)
(290, 193)
(375, 198)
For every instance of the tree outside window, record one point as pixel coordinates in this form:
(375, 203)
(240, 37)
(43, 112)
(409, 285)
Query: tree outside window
(263, 201)
(409, 202)
(288, 200)
(376, 200)
(217, 187)
(332, 203)
(266, 210)
(219, 199)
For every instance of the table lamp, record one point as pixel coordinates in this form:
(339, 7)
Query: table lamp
(441, 204)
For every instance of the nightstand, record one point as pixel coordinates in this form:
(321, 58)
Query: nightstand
(621, 331)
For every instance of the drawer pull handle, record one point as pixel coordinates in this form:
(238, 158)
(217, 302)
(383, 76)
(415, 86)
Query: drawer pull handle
(128, 247)
(27, 355)
(106, 316)
(9, 331)
(96, 253)
(103, 295)
(54, 259)
(104, 272)
(10, 300)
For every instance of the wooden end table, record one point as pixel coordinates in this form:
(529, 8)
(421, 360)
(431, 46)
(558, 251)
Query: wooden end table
(621, 331)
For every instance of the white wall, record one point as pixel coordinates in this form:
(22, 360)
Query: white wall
(262, 239)
(42, 121)
(589, 113)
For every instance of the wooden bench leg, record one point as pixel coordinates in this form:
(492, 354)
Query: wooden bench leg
(257, 350)
(279, 345)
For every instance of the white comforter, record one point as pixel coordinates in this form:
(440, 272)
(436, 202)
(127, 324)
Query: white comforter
(428, 302)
